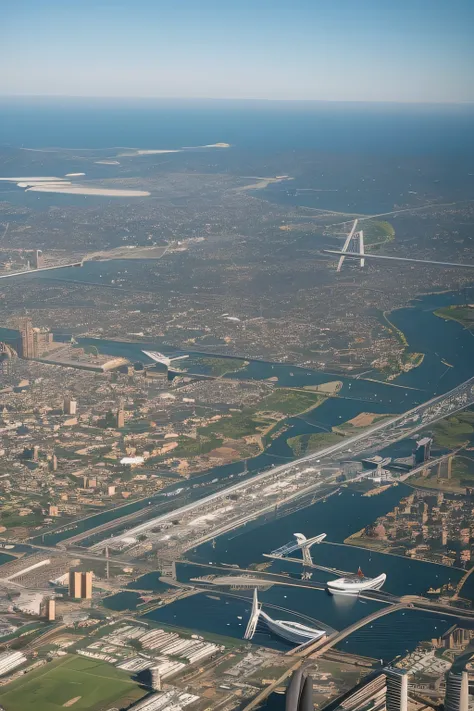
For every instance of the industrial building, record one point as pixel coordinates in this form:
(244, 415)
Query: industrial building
(386, 691)
(10, 660)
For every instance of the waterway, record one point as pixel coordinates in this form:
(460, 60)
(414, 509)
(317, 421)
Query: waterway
(341, 515)
(439, 339)
(227, 613)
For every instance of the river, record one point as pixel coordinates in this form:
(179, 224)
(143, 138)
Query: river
(439, 339)
(216, 612)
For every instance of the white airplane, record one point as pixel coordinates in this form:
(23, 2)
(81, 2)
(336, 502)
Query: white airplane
(160, 358)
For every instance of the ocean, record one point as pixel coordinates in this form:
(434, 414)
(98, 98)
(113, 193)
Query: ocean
(402, 129)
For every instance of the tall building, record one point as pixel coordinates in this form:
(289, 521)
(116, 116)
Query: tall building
(80, 585)
(69, 406)
(27, 339)
(75, 581)
(120, 418)
(155, 678)
(86, 585)
(38, 259)
(457, 691)
(43, 340)
(397, 689)
(51, 610)
(422, 452)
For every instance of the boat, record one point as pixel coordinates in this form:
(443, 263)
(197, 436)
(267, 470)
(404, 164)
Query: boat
(355, 584)
(291, 631)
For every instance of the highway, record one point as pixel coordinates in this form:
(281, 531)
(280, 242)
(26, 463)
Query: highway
(373, 438)
(364, 255)
(41, 269)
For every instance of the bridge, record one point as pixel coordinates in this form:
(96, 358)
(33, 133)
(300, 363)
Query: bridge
(302, 543)
(360, 254)
(354, 244)
(462, 582)
(25, 272)
(314, 650)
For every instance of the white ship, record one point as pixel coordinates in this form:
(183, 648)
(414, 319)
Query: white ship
(286, 629)
(355, 584)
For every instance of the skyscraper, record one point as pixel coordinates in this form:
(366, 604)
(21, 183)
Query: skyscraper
(80, 585)
(51, 610)
(86, 585)
(422, 452)
(38, 259)
(69, 406)
(457, 691)
(27, 343)
(397, 689)
(75, 584)
(120, 417)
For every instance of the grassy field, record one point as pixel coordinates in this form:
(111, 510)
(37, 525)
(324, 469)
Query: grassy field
(462, 314)
(453, 431)
(307, 443)
(290, 402)
(221, 366)
(377, 232)
(98, 685)
(281, 403)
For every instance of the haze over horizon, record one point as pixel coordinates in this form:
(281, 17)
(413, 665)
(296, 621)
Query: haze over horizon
(412, 51)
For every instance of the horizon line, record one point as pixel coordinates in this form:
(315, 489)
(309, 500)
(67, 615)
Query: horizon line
(465, 102)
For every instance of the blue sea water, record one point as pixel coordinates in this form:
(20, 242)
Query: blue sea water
(256, 125)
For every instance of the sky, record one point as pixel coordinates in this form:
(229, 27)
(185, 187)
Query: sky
(330, 50)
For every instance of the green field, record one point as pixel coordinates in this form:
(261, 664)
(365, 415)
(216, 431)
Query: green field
(377, 232)
(463, 314)
(99, 685)
(281, 403)
(307, 443)
(221, 366)
(454, 431)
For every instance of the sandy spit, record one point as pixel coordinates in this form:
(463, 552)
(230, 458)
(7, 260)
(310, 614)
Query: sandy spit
(79, 190)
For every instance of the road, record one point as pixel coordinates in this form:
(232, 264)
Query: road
(373, 438)
(364, 255)
(41, 269)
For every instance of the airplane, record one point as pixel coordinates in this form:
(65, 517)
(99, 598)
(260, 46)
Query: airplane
(164, 360)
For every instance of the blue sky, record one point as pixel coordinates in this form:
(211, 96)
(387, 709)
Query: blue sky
(345, 50)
